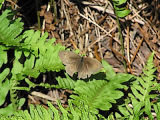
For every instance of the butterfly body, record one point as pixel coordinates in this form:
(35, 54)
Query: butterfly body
(84, 66)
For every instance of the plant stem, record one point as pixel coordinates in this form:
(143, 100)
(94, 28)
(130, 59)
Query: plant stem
(38, 15)
(122, 42)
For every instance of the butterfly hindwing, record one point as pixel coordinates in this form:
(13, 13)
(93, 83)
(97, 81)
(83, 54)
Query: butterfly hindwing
(89, 66)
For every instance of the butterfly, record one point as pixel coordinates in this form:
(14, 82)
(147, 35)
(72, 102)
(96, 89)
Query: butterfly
(84, 66)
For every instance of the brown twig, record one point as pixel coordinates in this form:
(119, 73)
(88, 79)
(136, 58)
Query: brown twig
(96, 53)
(136, 51)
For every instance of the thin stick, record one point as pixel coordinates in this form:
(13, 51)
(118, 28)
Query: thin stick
(94, 23)
(136, 51)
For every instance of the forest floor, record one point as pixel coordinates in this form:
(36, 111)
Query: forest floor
(91, 27)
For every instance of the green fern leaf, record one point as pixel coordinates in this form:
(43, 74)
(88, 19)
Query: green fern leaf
(113, 77)
(157, 109)
(64, 112)
(52, 113)
(65, 83)
(55, 111)
(100, 94)
(76, 115)
(17, 66)
(41, 56)
(108, 70)
(96, 94)
(3, 55)
(8, 110)
(1, 2)
(4, 86)
(119, 10)
(10, 31)
(143, 91)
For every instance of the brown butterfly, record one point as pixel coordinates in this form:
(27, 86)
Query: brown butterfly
(85, 66)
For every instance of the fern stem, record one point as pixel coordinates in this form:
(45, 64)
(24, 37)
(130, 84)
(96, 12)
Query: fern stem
(122, 41)
(13, 94)
(38, 16)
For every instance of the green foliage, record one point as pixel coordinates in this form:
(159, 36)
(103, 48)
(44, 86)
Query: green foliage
(52, 113)
(10, 30)
(4, 86)
(65, 83)
(1, 2)
(41, 56)
(33, 54)
(156, 107)
(120, 11)
(143, 91)
(100, 94)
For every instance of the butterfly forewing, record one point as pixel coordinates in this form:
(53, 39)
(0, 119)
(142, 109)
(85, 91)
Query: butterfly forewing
(69, 57)
(93, 64)
(88, 66)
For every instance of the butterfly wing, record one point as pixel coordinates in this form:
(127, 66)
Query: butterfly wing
(69, 57)
(89, 66)
(71, 60)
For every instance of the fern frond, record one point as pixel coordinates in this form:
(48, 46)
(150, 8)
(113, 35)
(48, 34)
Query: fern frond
(65, 83)
(120, 10)
(4, 89)
(100, 94)
(157, 109)
(3, 55)
(141, 90)
(2, 117)
(10, 29)
(96, 94)
(40, 113)
(139, 102)
(8, 110)
(33, 54)
(39, 58)
(4, 85)
(43, 55)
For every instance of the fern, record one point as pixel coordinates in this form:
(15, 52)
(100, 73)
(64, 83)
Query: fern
(3, 55)
(100, 94)
(143, 92)
(52, 113)
(142, 89)
(119, 10)
(156, 107)
(4, 82)
(1, 2)
(10, 29)
(33, 54)
(65, 83)
(46, 60)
